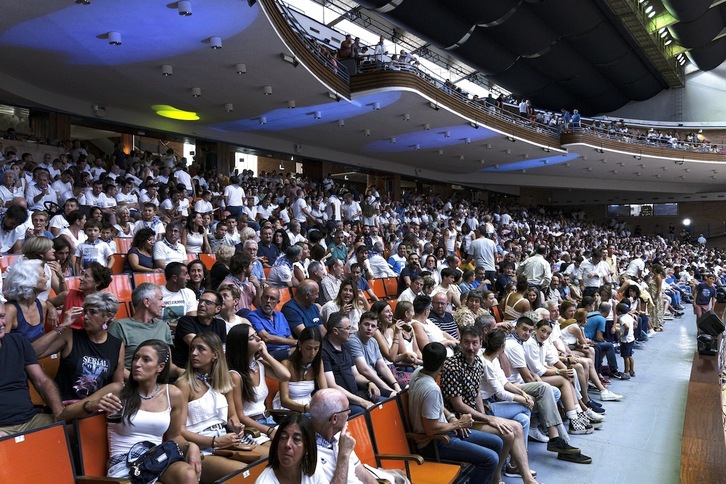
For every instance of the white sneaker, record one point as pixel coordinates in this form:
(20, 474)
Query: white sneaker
(608, 396)
(651, 333)
(594, 416)
(536, 434)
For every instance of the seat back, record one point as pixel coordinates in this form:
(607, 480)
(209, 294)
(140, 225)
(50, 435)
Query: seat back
(388, 429)
(120, 287)
(73, 282)
(273, 386)
(248, 475)
(117, 264)
(358, 429)
(49, 365)
(92, 444)
(208, 260)
(40, 455)
(379, 288)
(153, 277)
(191, 257)
(391, 285)
(123, 245)
(7, 260)
(285, 296)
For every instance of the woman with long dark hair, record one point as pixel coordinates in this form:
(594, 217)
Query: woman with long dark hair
(194, 237)
(146, 408)
(293, 454)
(198, 277)
(249, 361)
(140, 257)
(305, 365)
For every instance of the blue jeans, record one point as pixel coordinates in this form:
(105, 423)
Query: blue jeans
(513, 411)
(479, 449)
(609, 350)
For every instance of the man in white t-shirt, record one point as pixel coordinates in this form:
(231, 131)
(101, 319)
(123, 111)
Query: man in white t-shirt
(170, 249)
(234, 196)
(178, 299)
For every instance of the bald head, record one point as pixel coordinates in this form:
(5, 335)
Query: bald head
(327, 402)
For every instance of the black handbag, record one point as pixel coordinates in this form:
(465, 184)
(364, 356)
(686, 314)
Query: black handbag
(147, 461)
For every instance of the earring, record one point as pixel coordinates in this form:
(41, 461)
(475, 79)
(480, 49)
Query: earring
(105, 326)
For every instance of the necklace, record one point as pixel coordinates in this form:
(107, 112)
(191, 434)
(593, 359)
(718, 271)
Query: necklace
(253, 365)
(153, 394)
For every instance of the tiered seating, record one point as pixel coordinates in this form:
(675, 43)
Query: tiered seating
(153, 277)
(121, 288)
(8, 260)
(208, 260)
(248, 475)
(41, 455)
(117, 264)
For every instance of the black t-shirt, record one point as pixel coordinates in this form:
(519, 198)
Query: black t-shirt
(15, 354)
(191, 325)
(340, 363)
(89, 366)
(406, 271)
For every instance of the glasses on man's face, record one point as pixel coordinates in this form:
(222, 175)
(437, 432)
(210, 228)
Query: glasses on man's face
(208, 302)
(346, 411)
(345, 328)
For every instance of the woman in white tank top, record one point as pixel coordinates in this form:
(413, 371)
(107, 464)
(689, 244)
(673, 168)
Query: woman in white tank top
(207, 389)
(145, 409)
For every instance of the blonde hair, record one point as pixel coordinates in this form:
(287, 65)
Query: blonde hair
(581, 315)
(219, 378)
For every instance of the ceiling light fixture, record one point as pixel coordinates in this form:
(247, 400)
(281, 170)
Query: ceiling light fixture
(466, 140)
(546, 150)
(197, 92)
(416, 147)
(441, 152)
(637, 157)
(184, 7)
(426, 127)
(511, 138)
(99, 111)
(461, 157)
(406, 117)
(215, 42)
(167, 70)
(600, 150)
(393, 141)
(290, 59)
(240, 68)
(376, 106)
(434, 106)
(473, 125)
(366, 132)
(291, 104)
(341, 123)
(267, 90)
(317, 115)
(263, 120)
(229, 107)
(83, 2)
(114, 38)
(446, 134)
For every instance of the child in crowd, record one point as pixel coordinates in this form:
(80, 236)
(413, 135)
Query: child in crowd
(93, 249)
(705, 295)
(107, 236)
(219, 237)
(149, 220)
(627, 337)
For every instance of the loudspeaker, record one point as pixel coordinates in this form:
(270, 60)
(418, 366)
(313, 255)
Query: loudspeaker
(706, 345)
(710, 324)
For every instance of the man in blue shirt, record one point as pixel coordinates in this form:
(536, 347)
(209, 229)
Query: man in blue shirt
(272, 326)
(301, 311)
(595, 332)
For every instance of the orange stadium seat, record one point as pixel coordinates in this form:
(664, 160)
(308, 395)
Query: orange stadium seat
(153, 277)
(391, 284)
(120, 287)
(248, 475)
(7, 260)
(49, 365)
(208, 260)
(285, 296)
(117, 265)
(123, 245)
(40, 455)
(191, 258)
(379, 288)
(73, 282)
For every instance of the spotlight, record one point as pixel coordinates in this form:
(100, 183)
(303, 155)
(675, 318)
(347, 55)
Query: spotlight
(114, 38)
(263, 120)
(546, 150)
(473, 125)
(289, 59)
(366, 132)
(267, 90)
(393, 141)
(341, 123)
(99, 111)
(291, 104)
(197, 92)
(298, 149)
(229, 107)
(406, 117)
(679, 162)
(417, 147)
(317, 115)
(434, 106)
(600, 150)
(637, 157)
(83, 2)
(376, 106)
(215, 42)
(466, 140)
(446, 134)
(167, 70)
(240, 68)
(440, 152)
(510, 138)
(426, 127)
(184, 7)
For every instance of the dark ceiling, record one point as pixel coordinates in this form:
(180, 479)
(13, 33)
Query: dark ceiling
(558, 53)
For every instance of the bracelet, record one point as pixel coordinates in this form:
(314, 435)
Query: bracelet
(59, 329)
(269, 431)
(213, 437)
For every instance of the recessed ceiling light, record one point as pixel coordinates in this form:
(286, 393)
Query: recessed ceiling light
(184, 7)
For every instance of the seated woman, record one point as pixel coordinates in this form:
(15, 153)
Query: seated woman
(198, 278)
(249, 361)
(147, 408)
(124, 226)
(305, 365)
(349, 301)
(515, 304)
(140, 257)
(293, 454)
(469, 310)
(282, 274)
(25, 313)
(397, 340)
(207, 388)
(194, 237)
(41, 248)
(90, 357)
(74, 233)
(95, 278)
(63, 256)
(427, 331)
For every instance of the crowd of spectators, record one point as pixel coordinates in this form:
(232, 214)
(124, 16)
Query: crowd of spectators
(507, 304)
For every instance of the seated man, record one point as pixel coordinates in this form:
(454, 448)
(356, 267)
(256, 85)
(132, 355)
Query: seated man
(19, 364)
(272, 326)
(429, 416)
(368, 358)
(170, 249)
(460, 382)
(595, 332)
(301, 311)
(179, 300)
(440, 317)
(413, 290)
(340, 371)
(205, 319)
(329, 411)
